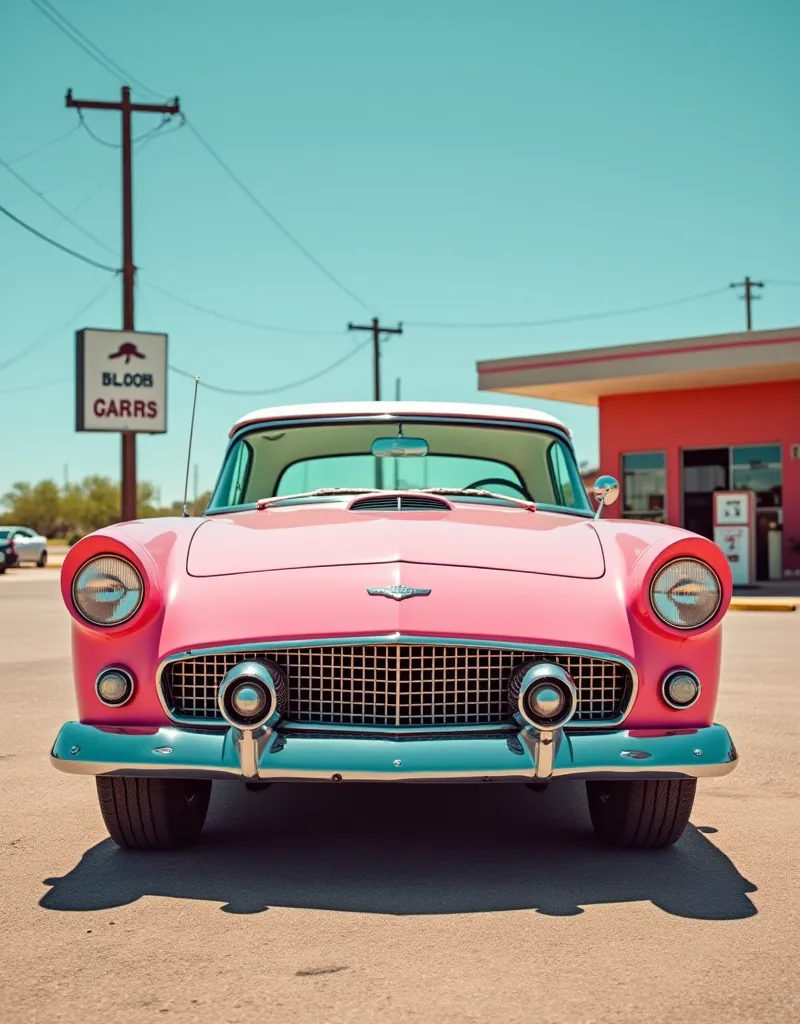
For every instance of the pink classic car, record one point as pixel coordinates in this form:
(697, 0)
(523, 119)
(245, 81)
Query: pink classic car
(396, 592)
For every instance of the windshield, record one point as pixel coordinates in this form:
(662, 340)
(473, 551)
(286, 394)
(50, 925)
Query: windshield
(5, 534)
(528, 463)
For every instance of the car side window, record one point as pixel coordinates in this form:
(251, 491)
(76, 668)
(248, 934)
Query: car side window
(563, 484)
(233, 482)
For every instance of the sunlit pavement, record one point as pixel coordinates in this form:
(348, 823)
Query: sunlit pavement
(395, 903)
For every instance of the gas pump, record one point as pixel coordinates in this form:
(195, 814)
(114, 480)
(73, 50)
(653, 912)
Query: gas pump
(735, 532)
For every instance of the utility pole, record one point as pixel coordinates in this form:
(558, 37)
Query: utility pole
(127, 109)
(397, 461)
(748, 296)
(376, 331)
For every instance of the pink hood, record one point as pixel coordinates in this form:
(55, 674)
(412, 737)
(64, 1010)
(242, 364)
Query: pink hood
(313, 537)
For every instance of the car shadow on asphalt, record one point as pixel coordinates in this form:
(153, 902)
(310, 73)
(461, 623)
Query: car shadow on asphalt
(416, 849)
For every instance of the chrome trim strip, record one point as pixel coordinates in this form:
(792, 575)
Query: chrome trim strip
(192, 753)
(397, 638)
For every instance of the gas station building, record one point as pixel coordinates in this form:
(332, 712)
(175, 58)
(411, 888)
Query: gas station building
(683, 420)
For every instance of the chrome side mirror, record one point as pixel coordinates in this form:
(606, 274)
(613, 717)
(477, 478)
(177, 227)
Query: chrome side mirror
(606, 492)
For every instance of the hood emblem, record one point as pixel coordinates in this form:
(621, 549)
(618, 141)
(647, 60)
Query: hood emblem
(398, 592)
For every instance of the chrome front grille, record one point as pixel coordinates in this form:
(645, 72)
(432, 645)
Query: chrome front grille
(397, 685)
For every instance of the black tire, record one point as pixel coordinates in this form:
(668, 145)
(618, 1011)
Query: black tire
(642, 814)
(153, 814)
(2, 568)
(42, 559)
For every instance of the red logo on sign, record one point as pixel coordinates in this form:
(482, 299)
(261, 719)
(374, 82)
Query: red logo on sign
(127, 350)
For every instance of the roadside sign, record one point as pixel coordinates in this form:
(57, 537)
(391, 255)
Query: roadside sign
(121, 381)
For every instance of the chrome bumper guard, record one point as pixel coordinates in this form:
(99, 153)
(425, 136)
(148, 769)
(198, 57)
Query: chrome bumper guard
(273, 754)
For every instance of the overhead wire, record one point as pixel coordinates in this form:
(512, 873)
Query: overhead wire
(60, 329)
(65, 217)
(575, 318)
(91, 49)
(282, 387)
(37, 386)
(277, 223)
(110, 65)
(58, 245)
(45, 145)
(230, 318)
(145, 136)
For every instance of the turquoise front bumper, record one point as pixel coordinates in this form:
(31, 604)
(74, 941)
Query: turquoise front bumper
(282, 754)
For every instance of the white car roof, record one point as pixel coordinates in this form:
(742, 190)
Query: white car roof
(458, 410)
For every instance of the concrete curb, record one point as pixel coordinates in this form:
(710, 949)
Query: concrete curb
(764, 604)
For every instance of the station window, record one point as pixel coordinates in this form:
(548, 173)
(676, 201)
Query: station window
(757, 467)
(644, 486)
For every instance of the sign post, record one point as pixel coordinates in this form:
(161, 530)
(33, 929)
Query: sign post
(121, 382)
(735, 532)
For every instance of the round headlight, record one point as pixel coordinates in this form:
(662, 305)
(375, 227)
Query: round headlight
(107, 590)
(685, 593)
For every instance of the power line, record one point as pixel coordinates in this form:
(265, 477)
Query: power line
(230, 318)
(58, 245)
(110, 65)
(785, 284)
(36, 387)
(282, 387)
(45, 145)
(566, 319)
(278, 224)
(144, 137)
(54, 331)
(54, 208)
(91, 49)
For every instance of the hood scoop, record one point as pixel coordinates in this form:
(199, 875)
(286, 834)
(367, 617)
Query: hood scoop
(400, 503)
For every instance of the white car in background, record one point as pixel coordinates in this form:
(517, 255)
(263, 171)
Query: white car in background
(21, 544)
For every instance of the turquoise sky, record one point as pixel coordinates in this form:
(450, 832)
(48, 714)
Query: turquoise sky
(456, 161)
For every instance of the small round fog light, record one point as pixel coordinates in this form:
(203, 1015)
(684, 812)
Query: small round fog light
(114, 687)
(681, 689)
(545, 701)
(249, 700)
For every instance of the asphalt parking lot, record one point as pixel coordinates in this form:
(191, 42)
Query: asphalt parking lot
(397, 903)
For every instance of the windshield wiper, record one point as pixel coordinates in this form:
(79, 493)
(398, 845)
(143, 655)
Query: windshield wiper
(319, 493)
(469, 492)
(474, 492)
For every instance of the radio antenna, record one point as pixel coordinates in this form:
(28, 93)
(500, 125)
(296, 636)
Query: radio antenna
(189, 454)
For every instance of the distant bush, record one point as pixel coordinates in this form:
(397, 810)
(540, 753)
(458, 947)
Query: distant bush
(76, 509)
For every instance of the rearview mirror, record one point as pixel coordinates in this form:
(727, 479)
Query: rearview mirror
(399, 447)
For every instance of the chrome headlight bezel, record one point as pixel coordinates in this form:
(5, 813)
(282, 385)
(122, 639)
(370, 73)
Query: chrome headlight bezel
(75, 592)
(688, 559)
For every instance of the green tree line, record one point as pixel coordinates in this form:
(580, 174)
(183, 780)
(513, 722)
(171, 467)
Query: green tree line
(77, 509)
